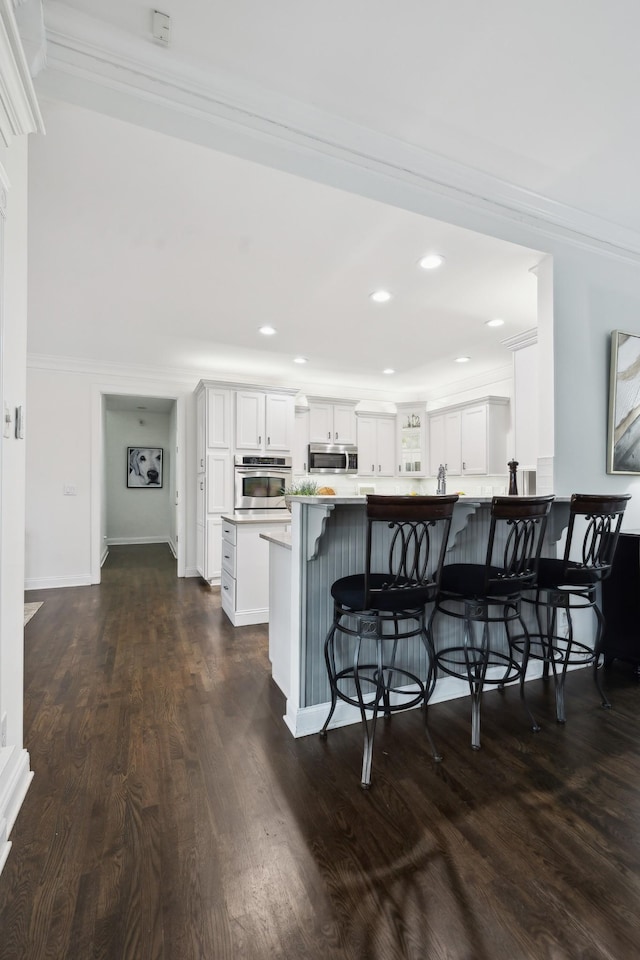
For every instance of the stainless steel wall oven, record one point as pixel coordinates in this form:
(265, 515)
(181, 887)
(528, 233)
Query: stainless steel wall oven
(260, 482)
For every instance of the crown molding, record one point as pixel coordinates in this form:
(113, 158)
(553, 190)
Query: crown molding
(211, 107)
(19, 110)
(521, 340)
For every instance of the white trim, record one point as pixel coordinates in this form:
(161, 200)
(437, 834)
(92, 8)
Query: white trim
(521, 340)
(125, 541)
(52, 583)
(19, 110)
(89, 58)
(304, 721)
(15, 778)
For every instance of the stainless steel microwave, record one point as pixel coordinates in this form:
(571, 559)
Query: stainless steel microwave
(333, 458)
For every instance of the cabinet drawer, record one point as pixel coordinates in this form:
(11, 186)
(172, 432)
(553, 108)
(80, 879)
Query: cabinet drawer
(229, 532)
(228, 590)
(229, 557)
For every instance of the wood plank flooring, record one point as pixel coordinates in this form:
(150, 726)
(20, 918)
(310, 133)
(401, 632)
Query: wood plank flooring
(173, 817)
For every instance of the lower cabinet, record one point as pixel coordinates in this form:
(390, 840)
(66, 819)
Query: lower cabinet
(244, 579)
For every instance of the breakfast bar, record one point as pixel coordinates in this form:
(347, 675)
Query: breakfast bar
(327, 541)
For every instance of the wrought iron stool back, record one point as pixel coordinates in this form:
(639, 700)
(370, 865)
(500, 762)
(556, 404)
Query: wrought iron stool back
(570, 584)
(378, 611)
(487, 596)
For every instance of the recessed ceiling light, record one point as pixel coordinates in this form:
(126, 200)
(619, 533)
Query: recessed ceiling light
(267, 331)
(496, 322)
(388, 370)
(431, 261)
(300, 360)
(463, 359)
(380, 296)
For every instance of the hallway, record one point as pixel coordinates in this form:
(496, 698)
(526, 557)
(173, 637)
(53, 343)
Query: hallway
(172, 816)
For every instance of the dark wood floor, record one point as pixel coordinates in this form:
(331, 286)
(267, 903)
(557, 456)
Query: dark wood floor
(173, 816)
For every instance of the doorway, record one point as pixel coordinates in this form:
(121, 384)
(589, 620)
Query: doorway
(123, 421)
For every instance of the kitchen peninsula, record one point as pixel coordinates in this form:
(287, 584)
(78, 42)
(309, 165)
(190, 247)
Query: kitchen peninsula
(327, 541)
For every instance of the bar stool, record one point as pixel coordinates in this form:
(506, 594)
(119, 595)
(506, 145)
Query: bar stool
(572, 585)
(485, 596)
(376, 615)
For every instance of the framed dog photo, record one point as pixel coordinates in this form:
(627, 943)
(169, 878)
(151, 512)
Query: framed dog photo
(623, 453)
(144, 467)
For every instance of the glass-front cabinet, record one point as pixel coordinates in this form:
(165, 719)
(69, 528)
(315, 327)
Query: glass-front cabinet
(411, 430)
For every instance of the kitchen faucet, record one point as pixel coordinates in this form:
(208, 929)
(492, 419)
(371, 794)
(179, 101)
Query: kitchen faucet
(442, 480)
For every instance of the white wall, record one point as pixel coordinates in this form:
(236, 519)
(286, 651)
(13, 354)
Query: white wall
(137, 515)
(14, 760)
(65, 447)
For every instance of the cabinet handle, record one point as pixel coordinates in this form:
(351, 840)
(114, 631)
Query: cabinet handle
(268, 441)
(201, 462)
(399, 468)
(379, 467)
(259, 441)
(336, 434)
(304, 467)
(226, 588)
(226, 556)
(464, 465)
(329, 435)
(202, 484)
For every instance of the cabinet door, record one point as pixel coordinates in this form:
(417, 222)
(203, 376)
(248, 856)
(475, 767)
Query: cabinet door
(367, 447)
(218, 484)
(411, 433)
(249, 420)
(218, 418)
(320, 422)
(474, 440)
(213, 548)
(201, 431)
(301, 442)
(437, 449)
(386, 447)
(452, 439)
(344, 423)
(279, 416)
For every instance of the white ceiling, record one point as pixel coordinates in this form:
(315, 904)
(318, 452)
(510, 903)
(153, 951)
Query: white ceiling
(176, 253)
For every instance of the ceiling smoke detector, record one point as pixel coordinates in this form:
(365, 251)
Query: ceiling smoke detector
(161, 27)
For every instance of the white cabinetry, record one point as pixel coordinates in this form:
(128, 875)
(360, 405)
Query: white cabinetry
(214, 474)
(245, 570)
(376, 445)
(331, 421)
(470, 439)
(411, 431)
(300, 452)
(264, 421)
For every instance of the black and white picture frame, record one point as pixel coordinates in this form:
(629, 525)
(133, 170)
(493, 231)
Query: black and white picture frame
(623, 453)
(144, 467)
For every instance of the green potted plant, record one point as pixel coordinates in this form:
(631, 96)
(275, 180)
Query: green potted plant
(305, 488)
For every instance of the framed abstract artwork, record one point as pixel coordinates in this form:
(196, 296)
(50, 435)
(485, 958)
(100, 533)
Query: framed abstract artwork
(623, 447)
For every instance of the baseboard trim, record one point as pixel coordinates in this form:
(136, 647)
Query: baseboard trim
(304, 721)
(49, 583)
(125, 541)
(15, 779)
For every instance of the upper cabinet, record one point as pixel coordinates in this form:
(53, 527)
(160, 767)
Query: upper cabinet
(411, 430)
(300, 452)
(376, 445)
(470, 439)
(331, 421)
(264, 421)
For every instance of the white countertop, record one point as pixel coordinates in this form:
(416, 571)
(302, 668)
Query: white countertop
(280, 539)
(258, 516)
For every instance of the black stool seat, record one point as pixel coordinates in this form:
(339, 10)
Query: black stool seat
(487, 596)
(385, 594)
(570, 584)
(377, 611)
